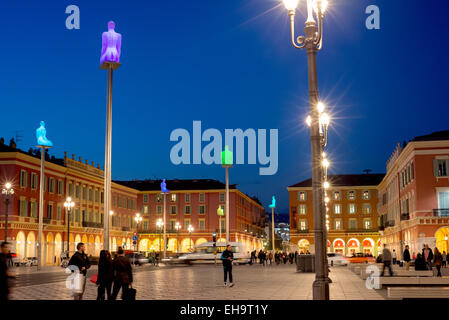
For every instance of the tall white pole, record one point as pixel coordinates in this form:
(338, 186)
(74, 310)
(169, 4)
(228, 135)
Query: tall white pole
(107, 162)
(41, 209)
(273, 247)
(165, 226)
(227, 206)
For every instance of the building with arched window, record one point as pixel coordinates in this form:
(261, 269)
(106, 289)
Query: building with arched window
(352, 214)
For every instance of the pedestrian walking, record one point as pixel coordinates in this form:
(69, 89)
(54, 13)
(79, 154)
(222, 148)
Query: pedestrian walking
(5, 274)
(105, 275)
(227, 257)
(406, 256)
(438, 260)
(123, 275)
(386, 259)
(81, 261)
(270, 257)
(444, 259)
(428, 256)
(394, 256)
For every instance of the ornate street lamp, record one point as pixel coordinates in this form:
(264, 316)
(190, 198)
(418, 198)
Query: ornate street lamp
(138, 219)
(226, 162)
(312, 41)
(159, 224)
(177, 227)
(165, 191)
(190, 228)
(68, 205)
(7, 191)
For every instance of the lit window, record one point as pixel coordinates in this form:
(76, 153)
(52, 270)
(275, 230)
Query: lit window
(337, 208)
(173, 197)
(201, 197)
(336, 195)
(366, 208)
(187, 197)
(366, 195)
(302, 209)
(351, 208)
(302, 196)
(351, 195)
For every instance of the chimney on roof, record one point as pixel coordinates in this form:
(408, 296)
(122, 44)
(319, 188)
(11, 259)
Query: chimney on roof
(80, 159)
(98, 166)
(73, 156)
(65, 154)
(93, 164)
(87, 161)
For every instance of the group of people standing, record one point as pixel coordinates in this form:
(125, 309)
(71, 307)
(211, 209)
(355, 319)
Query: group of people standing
(113, 274)
(424, 260)
(266, 257)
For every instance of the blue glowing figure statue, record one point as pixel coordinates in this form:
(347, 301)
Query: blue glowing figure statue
(273, 203)
(164, 187)
(41, 133)
(111, 45)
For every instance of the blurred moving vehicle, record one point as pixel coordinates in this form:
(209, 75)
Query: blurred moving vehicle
(210, 252)
(361, 258)
(336, 259)
(136, 258)
(30, 261)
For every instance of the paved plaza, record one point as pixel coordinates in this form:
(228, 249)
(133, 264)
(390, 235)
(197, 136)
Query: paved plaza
(198, 282)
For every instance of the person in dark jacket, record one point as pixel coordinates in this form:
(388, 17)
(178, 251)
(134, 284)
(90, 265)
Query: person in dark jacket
(5, 274)
(227, 256)
(105, 275)
(420, 264)
(123, 275)
(386, 259)
(438, 261)
(407, 258)
(80, 260)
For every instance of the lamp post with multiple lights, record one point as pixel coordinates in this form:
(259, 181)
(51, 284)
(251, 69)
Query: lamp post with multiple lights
(159, 224)
(190, 235)
(7, 191)
(177, 227)
(68, 205)
(312, 42)
(138, 219)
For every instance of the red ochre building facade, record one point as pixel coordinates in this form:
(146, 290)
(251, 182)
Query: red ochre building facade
(84, 182)
(414, 195)
(352, 214)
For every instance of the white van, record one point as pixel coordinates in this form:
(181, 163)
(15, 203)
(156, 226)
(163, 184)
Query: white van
(208, 253)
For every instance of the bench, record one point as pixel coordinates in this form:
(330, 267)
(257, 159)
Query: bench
(413, 281)
(402, 273)
(418, 293)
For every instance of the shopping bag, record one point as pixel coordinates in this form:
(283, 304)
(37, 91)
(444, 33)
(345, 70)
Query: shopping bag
(78, 283)
(94, 278)
(130, 294)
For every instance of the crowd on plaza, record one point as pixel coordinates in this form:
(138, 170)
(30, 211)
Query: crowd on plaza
(425, 260)
(267, 257)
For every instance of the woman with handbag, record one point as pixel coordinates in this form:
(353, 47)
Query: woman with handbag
(105, 275)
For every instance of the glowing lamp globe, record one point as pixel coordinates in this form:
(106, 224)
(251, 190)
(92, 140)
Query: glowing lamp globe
(290, 4)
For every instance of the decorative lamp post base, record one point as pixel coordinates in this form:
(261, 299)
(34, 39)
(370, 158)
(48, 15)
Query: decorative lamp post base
(110, 65)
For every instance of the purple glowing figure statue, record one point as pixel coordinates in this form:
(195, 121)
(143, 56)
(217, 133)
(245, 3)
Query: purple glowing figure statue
(112, 43)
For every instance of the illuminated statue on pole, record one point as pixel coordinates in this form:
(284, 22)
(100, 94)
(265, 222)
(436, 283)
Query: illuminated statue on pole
(41, 133)
(112, 43)
(164, 187)
(273, 203)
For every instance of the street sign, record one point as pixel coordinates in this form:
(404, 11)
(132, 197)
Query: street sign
(134, 242)
(134, 238)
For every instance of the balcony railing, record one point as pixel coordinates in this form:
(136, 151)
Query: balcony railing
(405, 216)
(46, 220)
(389, 223)
(125, 228)
(88, 224)
(441, 212)
(303, 230)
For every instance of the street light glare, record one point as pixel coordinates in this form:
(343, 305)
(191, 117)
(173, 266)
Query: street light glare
(326, 185)
(320, 106)
(325, 163)
(8, 185)
(290, 4)
(309, 120)
(324, 119)
(324, 4)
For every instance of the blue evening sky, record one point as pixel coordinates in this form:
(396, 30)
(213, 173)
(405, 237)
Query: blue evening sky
(227, 63)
